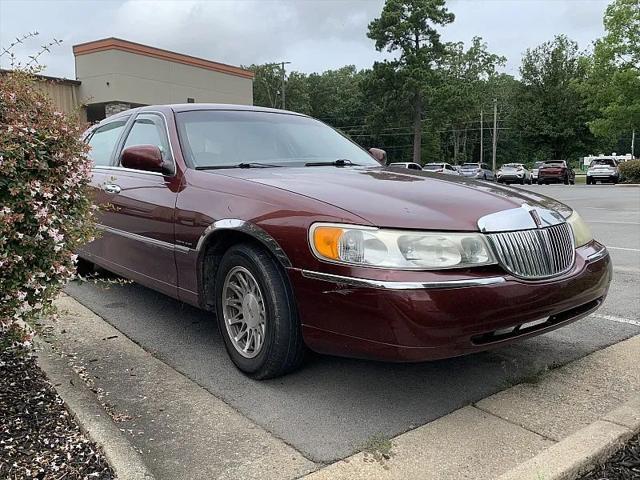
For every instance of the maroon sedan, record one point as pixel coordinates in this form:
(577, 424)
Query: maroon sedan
(556, 171)
(297, 238)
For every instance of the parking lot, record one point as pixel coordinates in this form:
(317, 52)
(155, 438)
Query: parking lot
(333, 406)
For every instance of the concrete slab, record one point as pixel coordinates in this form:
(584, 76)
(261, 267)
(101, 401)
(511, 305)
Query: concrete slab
(573, 456)
(181, 430)
(571, 397)
(467, 443)
(627, 415)
(92, 418)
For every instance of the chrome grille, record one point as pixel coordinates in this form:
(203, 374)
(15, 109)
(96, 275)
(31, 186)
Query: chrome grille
(539, 253)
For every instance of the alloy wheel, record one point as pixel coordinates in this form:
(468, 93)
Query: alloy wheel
(244, 312)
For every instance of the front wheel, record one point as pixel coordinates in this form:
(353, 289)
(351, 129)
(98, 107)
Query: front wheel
(256, 313)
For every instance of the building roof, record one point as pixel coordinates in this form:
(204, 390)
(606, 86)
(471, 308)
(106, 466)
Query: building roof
(46, 78)
(140, 49)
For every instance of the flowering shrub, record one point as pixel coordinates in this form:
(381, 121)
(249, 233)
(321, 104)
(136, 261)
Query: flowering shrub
(630, 171)
(45, 206)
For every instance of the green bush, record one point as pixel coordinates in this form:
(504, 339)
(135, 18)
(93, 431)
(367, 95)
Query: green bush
(630, 171)
(45, 204)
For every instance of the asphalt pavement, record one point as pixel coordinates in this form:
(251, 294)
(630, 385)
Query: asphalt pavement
(333, 406)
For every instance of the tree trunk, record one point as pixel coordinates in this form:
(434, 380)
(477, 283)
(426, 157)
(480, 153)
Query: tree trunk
(417, 129)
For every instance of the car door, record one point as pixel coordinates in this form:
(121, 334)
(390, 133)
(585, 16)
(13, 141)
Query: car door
(103, 141)
(139, 225)
(487, 171)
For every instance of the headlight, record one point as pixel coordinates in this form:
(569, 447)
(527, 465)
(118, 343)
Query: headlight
(581, 231)
(408, 250)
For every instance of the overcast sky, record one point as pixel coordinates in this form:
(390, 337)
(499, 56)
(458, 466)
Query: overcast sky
(314, 35)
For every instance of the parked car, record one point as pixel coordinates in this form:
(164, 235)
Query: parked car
(556, 171)
(513, 173)
(409, 165)
(534, 171)
(603, 170)
(294, 237)
(477, 170)
(444, 168)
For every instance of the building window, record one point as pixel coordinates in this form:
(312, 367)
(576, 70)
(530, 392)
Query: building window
(191, 100)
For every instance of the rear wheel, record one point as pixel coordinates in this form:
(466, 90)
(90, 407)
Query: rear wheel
(566, 180)
(256, 313)
(84, 267)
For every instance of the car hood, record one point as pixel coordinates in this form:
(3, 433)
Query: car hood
(394, 199)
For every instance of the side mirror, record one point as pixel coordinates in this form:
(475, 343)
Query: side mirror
(379, 154)
(143, 157)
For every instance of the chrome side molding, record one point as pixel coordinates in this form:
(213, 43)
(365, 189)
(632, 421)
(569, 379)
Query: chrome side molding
(387, 285)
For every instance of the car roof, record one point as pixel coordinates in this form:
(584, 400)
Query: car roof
(190, 107)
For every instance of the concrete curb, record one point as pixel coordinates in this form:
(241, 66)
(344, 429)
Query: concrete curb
(92, 418)
(580, 452)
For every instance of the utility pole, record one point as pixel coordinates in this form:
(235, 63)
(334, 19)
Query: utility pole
(481, 135)
(633, 143)
(495, 130)
(284, 90)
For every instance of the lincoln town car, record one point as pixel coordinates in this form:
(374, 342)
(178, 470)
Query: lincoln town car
(295, 239)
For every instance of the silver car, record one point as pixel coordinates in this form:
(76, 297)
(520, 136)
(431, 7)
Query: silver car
(409, 165)
(477, 170)
(534, 171)
(514, 173)
(444, 168)
(603, 170)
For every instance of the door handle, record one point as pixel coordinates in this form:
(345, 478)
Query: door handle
(111, 188)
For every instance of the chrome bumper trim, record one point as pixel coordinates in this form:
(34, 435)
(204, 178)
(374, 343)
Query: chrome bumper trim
(594, 257)
(385, 285)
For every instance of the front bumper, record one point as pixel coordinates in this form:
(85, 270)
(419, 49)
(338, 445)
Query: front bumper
(425, 320)
(510, 178)
(550, 178)
(603, 177)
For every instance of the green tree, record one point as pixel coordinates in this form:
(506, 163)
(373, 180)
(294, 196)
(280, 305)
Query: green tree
(463, 92)
(613, 86)
(408, 27)
(551, 112)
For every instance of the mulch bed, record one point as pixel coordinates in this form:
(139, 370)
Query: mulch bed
(624, 465)
(38, 437)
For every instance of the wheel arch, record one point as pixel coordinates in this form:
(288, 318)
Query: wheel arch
(217, 239)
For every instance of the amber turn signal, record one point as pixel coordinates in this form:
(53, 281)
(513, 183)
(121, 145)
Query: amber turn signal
(325, 241)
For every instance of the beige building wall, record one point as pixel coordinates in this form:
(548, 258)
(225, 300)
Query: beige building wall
(113, 75)
(64, 95)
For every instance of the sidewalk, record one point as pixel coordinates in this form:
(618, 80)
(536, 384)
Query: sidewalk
(183, 431)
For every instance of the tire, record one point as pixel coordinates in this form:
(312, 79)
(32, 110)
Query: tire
(282, 348)
(84, 268)
(539, 182)
(566, 180)
(522, 182)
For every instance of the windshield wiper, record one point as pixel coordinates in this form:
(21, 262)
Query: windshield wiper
(341, 162)
(239, 165)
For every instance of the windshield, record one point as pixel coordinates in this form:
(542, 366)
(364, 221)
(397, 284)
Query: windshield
(538, 164)
(433, 166)
(606, 162)
(512, 165)
(225, 139)
(469, 166)
(554, 164)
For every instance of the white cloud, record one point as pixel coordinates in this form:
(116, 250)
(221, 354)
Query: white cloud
(313, 34)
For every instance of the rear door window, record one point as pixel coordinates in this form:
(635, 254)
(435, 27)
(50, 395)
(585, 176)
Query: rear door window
(103, 141)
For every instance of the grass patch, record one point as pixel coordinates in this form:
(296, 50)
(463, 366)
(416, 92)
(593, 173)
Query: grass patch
(379, 447)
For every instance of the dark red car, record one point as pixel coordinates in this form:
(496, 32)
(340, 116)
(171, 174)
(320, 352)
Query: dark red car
(556, 171)
(296, 237)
